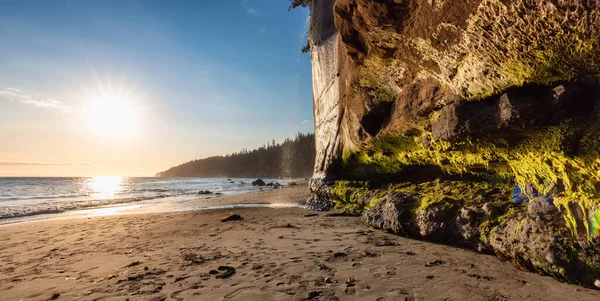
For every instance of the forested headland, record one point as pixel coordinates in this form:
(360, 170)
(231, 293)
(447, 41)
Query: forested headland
(294, 158)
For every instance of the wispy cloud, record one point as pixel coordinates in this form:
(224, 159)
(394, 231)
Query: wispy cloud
(252, 11)
(305, 121)
(32, 163)
(18, 95)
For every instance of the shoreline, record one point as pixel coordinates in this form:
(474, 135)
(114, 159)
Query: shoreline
(150, 205)
(272, 254)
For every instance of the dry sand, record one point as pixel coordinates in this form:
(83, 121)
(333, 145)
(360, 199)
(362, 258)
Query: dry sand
(277, 254)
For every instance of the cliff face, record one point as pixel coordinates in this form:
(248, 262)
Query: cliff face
(468, 122)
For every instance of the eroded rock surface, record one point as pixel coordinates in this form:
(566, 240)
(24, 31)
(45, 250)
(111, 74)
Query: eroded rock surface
(466, 122)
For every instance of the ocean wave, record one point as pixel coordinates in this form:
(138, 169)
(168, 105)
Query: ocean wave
(59, 207)
(43, 197)
(56, 196)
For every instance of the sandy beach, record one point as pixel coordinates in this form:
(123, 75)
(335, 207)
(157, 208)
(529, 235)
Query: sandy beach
(271, 254)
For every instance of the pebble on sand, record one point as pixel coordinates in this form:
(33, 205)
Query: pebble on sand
(233, 217)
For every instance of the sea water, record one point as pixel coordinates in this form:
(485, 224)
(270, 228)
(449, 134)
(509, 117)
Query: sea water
(21, 197)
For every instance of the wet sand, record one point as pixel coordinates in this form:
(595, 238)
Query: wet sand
(272, 254)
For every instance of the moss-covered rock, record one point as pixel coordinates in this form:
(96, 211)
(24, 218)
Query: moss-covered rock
(446, 109)
(533, 235)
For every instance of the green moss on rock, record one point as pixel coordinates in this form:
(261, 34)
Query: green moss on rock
(540, 157)
(348, 196)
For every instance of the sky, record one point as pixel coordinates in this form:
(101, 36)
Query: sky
(131, 88)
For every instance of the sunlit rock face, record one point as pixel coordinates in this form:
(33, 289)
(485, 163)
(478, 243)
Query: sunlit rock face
(324, 45)
(468, 122)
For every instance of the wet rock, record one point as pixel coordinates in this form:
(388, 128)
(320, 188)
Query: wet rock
(204, 192)
(320, 199)
(258, 182)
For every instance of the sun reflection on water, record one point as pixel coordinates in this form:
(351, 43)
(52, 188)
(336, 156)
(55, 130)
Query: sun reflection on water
(105, 187)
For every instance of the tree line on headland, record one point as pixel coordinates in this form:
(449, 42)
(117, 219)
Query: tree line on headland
(294, 158)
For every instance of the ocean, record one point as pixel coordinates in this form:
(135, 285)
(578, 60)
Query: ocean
(22, 197)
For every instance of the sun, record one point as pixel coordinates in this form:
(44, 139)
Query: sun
(111, 115)
(111, 109)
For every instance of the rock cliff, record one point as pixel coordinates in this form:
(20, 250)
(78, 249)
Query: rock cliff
(468, 122)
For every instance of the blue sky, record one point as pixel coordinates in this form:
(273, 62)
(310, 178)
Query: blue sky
(203, 78)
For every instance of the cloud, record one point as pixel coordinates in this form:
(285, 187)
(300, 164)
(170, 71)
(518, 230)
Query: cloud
(305, 121)
(18, 95)
(252, 11)
(31, 163)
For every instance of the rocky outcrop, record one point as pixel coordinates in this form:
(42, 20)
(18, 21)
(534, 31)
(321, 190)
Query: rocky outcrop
(529, 235)
(499, 98)
(324, 45)
(258, 182)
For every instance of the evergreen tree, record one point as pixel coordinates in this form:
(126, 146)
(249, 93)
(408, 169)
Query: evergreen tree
(291, 159)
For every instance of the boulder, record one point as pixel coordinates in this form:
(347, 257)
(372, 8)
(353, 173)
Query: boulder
(531, 235)
(258, 182)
